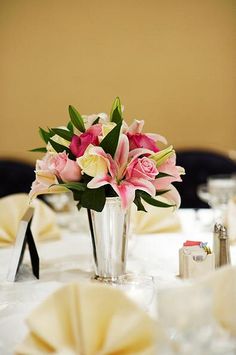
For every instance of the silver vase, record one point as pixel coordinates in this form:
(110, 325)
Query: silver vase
(109, 233)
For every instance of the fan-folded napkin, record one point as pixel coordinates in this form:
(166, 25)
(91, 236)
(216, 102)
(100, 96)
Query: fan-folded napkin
(212, 296)
(13, 207)
(231, 219)
(155, 220)
(89, 319)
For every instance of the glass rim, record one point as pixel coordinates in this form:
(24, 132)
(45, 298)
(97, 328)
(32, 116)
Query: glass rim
(229, 176)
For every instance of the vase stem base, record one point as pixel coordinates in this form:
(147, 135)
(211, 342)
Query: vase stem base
(106, 279)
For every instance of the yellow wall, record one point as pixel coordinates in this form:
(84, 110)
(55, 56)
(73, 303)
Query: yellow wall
(173, 63)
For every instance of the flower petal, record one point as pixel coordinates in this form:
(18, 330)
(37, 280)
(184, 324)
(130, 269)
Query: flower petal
(144, 185)
(126, 191)
(157, 137)
(40, 189)
(99, 181)
(136, 127)
(135, 153)
(173, 195)
(122, 151)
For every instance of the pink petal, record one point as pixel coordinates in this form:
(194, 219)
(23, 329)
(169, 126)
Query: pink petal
(135, 153)
(144, 185)
(157, 137)
(136, 127)
(99, 181)
(173, 196)
(112, 167)
(122, 151)
(162, 183)
(126, 191)
(39, 188)
(99, 151)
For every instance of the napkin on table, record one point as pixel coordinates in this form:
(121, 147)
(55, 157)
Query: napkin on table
(12, 209)
(223, 286)
(231, 219)
(90, 319)
(155, 220)
(212, 296)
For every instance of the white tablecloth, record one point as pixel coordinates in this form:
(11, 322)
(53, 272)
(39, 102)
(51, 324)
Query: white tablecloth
(69, 259)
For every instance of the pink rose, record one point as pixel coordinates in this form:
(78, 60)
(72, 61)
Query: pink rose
(143, 168)
(60, 165)
(80, 143)
(141, 140)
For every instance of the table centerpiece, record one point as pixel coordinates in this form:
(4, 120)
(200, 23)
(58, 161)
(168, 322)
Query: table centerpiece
(107, 165)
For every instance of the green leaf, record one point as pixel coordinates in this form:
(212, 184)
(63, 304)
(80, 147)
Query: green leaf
(67, 135)
(116, 117)
(138, 203)
(59, 148)
(116, 112)
(161, 175)
(79, 206)
(94, 199)
(45, 135)
(152, 201)
(70, 127)
(161, 192)
(75, 186)
(110, 192)
(110, 141)
(42, 149)
(96, 121)
(76, 119)
(77, 195)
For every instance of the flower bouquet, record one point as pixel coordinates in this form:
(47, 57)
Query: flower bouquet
(100, 158)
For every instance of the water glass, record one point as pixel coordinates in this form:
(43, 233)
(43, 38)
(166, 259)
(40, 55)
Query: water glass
(217, 193)
(140, 288)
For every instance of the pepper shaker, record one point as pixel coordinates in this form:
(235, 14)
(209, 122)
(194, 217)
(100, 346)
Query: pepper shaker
(224, 255)
(216, 244)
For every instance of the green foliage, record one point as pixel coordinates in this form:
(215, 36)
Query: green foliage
(45, 135)
(76, 119)
(96, 121)
(152, 201)
(70, 127)
(116, 112)
(110, 142)
(59, 148)
(75, 186)
(94, 199)
(41, 149)
(138, 202)
(162, 175)
(63, 133)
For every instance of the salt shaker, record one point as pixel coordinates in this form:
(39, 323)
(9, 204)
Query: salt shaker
(224, 254)
(216, 244)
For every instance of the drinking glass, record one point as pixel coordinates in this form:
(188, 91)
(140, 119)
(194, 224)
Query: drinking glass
(217, 193)
(140, 288)
(187, 315)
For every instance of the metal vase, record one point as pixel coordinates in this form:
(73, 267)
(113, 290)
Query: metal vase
(109, 233)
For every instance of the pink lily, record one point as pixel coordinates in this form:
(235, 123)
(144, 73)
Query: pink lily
(115, 175)
(137, 139)
(172, 170)
(172, 195)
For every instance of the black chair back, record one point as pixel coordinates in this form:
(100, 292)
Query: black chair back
(15, 177)
(199, 165)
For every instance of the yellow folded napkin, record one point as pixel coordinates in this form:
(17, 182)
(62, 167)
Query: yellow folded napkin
(89, 319)
(206, 300)
(231, 220)
(155, 220)
(13, 207)
(223, 286)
